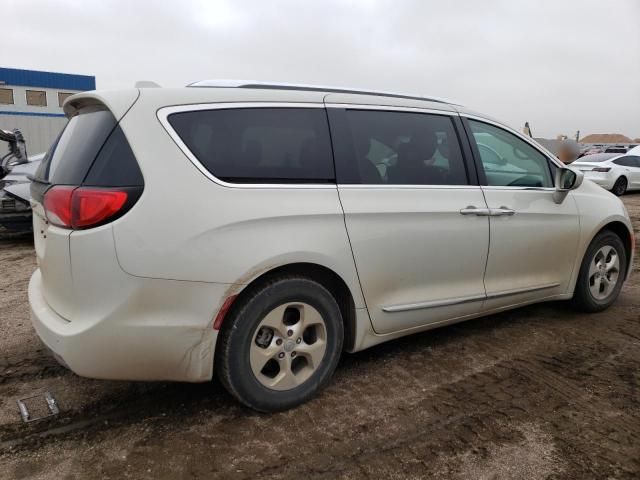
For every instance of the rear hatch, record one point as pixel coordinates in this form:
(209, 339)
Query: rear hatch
(88, 178)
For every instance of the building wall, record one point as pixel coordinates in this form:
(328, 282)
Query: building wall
(39, 132)
(20, 100)
(40, 125)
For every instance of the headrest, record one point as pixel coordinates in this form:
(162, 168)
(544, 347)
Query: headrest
(421, 147)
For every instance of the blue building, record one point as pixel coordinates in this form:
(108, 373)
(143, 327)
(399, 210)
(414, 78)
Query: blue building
(32, 101)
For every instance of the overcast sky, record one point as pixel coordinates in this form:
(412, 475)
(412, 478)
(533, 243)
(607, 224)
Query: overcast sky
(562, 65)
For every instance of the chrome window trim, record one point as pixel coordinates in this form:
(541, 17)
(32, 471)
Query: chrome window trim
(163, 116)
(506, 187)
(470, 298)
(386, 186)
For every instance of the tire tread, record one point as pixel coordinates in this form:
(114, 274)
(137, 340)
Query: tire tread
(222, 364)
(582, 299)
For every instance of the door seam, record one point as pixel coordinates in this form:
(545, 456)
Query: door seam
(344, 218)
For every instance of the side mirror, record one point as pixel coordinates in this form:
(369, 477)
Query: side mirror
(566, 180)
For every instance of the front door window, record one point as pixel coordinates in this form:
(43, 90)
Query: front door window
(509, 161)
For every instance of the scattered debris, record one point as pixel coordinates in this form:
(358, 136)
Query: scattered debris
(50, 410)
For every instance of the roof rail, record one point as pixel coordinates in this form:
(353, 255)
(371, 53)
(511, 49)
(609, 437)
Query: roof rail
(307, 88)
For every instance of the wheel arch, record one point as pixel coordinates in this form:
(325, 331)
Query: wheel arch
(626, 235)
(326, 277)
(622, 176)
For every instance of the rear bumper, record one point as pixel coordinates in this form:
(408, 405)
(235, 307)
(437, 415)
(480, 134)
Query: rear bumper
(143, 338)
(602, 179)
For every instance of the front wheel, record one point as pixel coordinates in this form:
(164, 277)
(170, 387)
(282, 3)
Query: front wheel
(620, 187)
(602, 273)
(281, 344)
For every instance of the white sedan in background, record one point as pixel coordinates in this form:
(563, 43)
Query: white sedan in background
(617, 173)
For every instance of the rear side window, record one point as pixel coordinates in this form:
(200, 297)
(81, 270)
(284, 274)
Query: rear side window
(91, 150)
(259, 145)
(628, 161)
(115, 164)
(399, 148)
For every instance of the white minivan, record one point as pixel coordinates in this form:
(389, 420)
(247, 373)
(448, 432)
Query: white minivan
(258, 231)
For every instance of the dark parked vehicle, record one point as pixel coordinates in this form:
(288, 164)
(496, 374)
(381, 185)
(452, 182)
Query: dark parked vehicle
(616, 149)
(15, 209)
(15, 168)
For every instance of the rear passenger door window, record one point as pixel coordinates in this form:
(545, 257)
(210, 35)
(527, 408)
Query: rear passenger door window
(507, 160)
(259, 145)
(401, 148)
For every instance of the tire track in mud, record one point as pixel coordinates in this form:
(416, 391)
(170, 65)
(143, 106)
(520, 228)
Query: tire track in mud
(496, 391)
(16, 369)
(494, 394)
(394, 377)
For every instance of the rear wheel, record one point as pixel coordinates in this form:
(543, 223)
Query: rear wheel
(281, 344)
(602, 273)
(620, 187)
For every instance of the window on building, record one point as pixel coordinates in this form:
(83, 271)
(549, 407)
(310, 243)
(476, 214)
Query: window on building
(37, 98)
(6, 96)
(62, 96)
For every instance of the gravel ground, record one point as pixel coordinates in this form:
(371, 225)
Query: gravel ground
(539, 392)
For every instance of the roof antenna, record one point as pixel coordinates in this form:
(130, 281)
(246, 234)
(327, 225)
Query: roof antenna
(146, 84)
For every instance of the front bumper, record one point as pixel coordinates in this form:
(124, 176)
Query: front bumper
(131, 343)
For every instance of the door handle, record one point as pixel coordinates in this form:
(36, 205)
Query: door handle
(473, 210)
(502, 211)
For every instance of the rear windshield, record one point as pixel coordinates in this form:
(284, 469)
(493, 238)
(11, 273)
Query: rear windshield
(259, 145)
(91, 150)
(597, 157)
(72, 154)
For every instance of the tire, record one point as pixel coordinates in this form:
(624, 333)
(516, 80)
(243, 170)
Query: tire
(586, 297)
(620, 187)
(293, 326)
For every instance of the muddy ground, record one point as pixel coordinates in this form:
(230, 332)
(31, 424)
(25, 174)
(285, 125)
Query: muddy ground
(540, 392)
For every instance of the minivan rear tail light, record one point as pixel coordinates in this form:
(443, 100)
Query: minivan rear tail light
(601, 169)
(57, 205)
(91, 206)
(83, 207)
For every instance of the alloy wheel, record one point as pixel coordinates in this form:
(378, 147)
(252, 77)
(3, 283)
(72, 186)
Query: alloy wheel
(288, 346)
(604, 270)
(620, 187)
